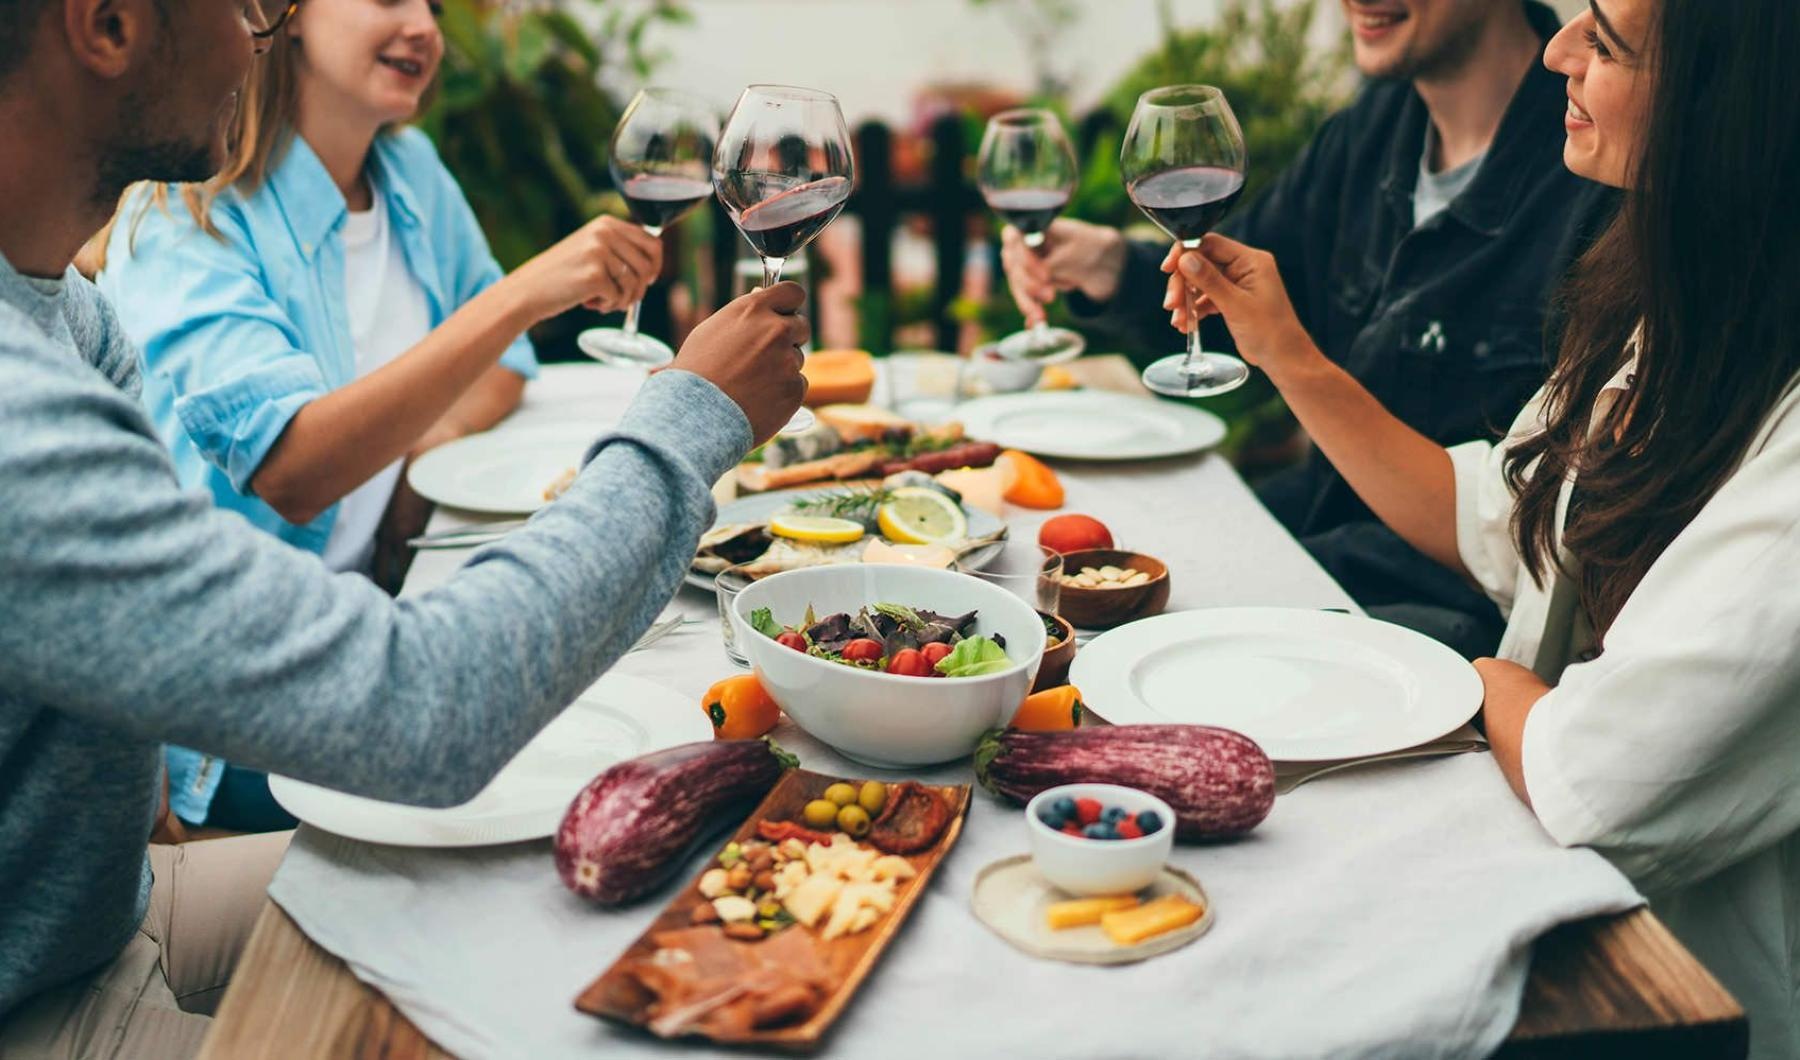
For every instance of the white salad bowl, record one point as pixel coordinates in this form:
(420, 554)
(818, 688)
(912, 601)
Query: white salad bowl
(884, 719)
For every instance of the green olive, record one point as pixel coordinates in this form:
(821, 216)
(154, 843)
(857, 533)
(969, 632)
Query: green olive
(854, 820)
(841, 794)
(872, 797)
(820, 813)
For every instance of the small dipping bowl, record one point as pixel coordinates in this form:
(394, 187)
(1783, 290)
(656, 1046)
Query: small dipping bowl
(1096, 867)
(1104, 608)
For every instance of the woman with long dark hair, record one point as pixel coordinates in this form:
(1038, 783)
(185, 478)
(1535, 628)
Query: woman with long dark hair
(1641, 521)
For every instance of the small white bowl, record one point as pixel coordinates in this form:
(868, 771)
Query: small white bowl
(1006, 375)
(1094, 867)
(884, 719)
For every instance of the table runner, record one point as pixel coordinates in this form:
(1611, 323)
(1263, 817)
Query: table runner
(1387, 912)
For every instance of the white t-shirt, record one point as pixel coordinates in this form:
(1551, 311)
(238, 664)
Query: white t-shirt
(1433, 192)
(1673, 751)
(388, 316)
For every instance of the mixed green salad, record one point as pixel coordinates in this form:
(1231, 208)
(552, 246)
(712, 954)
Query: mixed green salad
(892, 638)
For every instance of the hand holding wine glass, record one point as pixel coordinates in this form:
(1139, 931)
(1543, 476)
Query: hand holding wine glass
(1243, 285)
(750, 349)
(783, 170)
(1027, 173)
(661, 158)
(1183, 164)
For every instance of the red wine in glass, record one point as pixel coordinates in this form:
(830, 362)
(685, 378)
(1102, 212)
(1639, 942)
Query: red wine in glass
(658, 201)
(1183, 165)
(783, 170)
(781, 224)
(661, 159)
(1030, 210)
(1027, 172)
(1187, 202)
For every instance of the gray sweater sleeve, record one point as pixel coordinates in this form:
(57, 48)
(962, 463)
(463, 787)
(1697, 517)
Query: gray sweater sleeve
(131, 603)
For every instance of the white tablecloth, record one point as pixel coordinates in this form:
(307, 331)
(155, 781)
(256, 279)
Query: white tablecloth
(1382, 913)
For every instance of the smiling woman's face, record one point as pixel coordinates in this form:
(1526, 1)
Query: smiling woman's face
(373, 58)
(1604, 52)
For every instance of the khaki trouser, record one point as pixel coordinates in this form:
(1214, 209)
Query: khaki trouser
(155, 1002)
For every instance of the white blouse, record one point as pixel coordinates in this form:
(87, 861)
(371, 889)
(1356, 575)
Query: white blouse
(1676, 752)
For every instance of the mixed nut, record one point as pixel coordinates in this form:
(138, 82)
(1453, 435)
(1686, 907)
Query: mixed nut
(1107, 577)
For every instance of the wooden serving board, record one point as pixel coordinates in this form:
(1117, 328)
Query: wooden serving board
(850, 958)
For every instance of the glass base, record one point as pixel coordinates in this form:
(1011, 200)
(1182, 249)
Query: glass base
(627, 349)
(802, 421)
(1041, 346)
(1209, 374)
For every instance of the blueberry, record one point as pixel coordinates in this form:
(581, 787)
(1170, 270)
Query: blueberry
(1099, 830)
(1149, 821)
(1049, 816)
(1064, 807)
(1114, 814)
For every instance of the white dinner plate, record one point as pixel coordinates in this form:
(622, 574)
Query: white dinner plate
(1091, 425)
(1306, 685)
(756, 507)
(501, 471)
(620, 717)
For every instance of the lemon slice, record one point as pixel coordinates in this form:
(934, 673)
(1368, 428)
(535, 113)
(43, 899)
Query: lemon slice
(819, 528)
(919, 516)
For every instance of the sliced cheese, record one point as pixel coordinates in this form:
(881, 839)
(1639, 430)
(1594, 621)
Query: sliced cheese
(1128, 927)
(1083, 911)
(812, 899)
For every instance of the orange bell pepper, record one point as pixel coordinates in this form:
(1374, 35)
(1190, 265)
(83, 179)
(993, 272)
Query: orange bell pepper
(739, 709)
(1050, 710)
(1034, 485)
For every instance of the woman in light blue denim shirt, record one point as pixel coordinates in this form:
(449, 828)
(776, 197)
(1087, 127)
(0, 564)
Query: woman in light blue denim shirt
(327, 309)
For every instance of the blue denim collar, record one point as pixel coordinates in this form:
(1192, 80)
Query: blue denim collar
(312, 203)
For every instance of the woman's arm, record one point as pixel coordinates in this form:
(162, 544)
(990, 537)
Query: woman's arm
(1403, 476)
(1509, 691)
(338, 441)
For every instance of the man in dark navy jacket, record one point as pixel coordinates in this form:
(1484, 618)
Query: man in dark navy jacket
(1421, 235)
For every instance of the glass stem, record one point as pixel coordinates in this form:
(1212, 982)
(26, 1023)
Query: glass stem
(1040, 332)
(631, 315)
(772, 270)
(1191, 365)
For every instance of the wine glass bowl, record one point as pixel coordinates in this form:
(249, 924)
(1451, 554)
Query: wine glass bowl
(783, 170)
(1183, 162)
(661, 162)
(1027, 172)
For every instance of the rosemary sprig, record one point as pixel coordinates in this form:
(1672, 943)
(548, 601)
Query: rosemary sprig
(857, 502)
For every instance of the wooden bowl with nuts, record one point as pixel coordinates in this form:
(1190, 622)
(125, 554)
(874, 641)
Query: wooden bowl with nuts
(1105, 587)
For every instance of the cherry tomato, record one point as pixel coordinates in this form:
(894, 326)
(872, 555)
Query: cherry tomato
(790, 639)
(909, 662)
(862, 649)
(934, 654)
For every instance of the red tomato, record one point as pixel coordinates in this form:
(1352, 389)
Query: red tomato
(1072, 533)
(909, 662)
(863, 649)
(934, 654)
(1087, 811)
(790, 639)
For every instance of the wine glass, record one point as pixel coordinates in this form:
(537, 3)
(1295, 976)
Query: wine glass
(1183, 166)
(783, 170)
(661, 164)
(1027, 173)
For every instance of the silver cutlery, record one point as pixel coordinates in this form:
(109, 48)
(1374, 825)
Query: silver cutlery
(1285, 783)
(467, 536)
(658, 630)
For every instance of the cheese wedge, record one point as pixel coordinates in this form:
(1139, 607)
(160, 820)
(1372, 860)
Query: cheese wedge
(1128, 927)
(1080, 912)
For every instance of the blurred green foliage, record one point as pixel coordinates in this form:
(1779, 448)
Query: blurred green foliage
(521, 117)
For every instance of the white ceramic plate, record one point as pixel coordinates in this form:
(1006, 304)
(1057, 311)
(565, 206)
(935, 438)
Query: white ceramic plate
(1306, 685)
(1011, 896)
(1091, 425)
(620, 717)
(501, 471)
(756, 507)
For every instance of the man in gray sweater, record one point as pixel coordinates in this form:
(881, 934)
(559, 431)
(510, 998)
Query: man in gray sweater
(133, 614)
